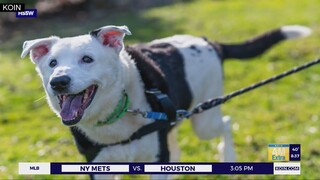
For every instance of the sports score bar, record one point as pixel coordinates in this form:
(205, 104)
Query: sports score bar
(289, 168)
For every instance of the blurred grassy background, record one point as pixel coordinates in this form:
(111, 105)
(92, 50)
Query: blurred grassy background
(283, 112)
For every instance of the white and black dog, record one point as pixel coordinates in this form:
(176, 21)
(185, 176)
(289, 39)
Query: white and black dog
(89, 79)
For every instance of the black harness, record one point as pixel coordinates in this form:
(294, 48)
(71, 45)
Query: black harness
(157, 92)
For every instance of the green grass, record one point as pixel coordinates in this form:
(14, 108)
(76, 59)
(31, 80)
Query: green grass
(282, 112)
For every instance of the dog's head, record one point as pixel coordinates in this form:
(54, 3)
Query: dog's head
(75, 70)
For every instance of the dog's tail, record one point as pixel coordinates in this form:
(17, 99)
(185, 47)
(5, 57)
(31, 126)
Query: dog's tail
(261, 43)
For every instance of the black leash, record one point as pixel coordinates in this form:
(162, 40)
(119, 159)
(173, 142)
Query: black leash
(220, 100)
(182, 113)
(161, 117)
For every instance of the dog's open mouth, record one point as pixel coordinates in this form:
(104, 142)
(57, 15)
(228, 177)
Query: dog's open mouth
(73, 105)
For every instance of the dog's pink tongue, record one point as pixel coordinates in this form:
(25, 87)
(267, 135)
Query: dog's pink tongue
(70, 107)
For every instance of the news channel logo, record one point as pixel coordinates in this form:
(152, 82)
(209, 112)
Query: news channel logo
(284, 152)
(19, 9)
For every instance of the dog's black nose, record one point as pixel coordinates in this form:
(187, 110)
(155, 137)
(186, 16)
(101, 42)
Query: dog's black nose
(60, 83)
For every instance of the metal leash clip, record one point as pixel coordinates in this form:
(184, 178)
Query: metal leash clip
(136, 112)
(149, 115)
(181, 114)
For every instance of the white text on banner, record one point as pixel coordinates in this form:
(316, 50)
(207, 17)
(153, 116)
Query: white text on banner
(94, 168)
(287, 168)
(34, 168)
(177, 168)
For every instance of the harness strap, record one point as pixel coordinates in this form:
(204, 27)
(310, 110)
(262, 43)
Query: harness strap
(164, 154)
(90, 149)
(85, 145)
(144, 130)
(166, 105)
(162, 103)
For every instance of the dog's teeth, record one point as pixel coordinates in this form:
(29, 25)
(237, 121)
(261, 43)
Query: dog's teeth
(85, 97)
(91, 92)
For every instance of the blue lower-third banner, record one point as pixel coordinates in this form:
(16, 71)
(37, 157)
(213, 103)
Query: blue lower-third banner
(284, 168)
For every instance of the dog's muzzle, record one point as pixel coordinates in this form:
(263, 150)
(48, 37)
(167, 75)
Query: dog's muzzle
(72, 105)
(60, 84)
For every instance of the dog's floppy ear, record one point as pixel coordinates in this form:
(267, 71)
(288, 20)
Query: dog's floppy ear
(38, 48)
(111, 36)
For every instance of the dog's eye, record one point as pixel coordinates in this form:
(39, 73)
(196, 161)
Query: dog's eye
(53, 63)
(87, 59)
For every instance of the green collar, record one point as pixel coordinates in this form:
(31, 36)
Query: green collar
(118, 112)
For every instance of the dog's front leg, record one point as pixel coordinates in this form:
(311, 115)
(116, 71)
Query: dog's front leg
(225, 148)
(174, 154)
